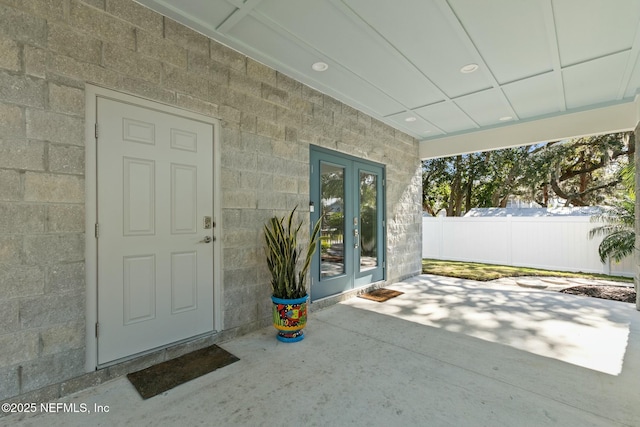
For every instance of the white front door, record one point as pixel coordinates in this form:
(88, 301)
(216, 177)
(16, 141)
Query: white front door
(155, 257)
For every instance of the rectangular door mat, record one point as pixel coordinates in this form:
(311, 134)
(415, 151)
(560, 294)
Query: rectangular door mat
(381, 294)
(164, 376)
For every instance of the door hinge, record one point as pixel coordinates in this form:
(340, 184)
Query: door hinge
(97, 329)
(97, 231)
(96, 127)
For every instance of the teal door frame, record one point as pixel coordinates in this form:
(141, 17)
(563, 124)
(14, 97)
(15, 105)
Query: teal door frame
(351, 251)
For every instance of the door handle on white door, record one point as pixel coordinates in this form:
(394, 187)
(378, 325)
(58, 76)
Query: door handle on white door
(207, 239)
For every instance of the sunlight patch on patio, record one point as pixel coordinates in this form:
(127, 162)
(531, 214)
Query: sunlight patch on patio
(586, 332)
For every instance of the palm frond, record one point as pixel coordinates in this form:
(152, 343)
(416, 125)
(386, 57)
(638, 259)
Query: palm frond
(617, 245)
(618, 229)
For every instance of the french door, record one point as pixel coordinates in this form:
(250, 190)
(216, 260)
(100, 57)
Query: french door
(348, 194)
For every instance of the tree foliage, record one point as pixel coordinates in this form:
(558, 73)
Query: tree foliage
(578, 172)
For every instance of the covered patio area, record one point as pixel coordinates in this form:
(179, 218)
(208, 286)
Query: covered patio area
(448, 352)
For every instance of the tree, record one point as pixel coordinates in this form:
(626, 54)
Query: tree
(585, 171)
(508, 172)
(436, 190)
(484, 179)
(580, 171)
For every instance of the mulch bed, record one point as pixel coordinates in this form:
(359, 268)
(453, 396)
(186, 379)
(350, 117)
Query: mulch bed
(615, 293)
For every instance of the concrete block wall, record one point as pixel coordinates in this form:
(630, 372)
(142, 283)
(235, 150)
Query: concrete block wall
(49, 50)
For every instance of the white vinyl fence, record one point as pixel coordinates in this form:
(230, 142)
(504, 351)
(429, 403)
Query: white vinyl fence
(553, 243)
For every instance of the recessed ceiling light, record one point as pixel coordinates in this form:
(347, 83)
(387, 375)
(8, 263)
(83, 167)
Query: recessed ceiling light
(469, 68)
(320, 66)
(410, 119)
(505, 118)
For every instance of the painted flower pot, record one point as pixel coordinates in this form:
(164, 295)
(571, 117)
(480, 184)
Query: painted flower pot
(290, 318)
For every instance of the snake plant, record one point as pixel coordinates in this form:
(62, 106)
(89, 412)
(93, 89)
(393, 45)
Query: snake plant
(287, 263)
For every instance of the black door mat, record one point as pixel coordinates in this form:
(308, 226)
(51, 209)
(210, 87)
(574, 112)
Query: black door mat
(164, 376)
(381, 294)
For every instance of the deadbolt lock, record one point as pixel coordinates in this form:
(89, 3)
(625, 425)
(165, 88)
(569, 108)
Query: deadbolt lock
(207, 222)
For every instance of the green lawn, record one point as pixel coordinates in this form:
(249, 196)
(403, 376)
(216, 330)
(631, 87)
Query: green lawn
(484, 272)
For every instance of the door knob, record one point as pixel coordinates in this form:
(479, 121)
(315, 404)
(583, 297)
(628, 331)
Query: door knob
(207, 239)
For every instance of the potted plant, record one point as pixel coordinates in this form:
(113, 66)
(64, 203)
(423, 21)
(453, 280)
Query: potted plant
(289, 264)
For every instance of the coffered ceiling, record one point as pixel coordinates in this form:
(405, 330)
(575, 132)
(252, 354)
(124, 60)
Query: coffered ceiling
(403, 61)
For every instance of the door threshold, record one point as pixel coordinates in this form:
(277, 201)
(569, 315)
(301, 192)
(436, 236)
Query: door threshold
(330, 300)
(187, 344)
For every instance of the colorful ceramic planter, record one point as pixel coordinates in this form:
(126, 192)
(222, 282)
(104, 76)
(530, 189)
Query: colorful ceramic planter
(290, 318)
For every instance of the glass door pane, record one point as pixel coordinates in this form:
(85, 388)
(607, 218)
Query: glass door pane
(333, 209)
(368, 221)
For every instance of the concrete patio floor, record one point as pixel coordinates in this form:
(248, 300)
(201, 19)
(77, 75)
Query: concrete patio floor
(449, 352)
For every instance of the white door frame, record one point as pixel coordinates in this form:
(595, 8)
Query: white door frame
(91, 246)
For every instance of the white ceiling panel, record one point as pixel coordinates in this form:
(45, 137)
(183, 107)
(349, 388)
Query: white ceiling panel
(418, 126)
(202, 13)
(218, 9)
(433, 45)
(486, 107)
(446, 116)
(343, 84)
(536, 58)
(353, 46)
(588, 29)
(595, 81)
(537, 96)
(634, 81)
(510, 35)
